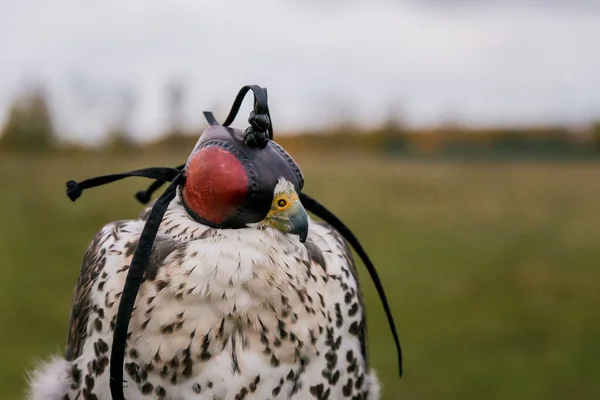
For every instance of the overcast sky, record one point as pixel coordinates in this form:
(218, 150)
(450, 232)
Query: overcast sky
(476, 62)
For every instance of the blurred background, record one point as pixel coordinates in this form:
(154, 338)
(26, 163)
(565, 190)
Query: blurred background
(460, 140)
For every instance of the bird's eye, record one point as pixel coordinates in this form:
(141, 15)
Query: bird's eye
(281, 203)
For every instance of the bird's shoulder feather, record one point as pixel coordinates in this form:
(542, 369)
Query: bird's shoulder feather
(326, 240)
(92, 267)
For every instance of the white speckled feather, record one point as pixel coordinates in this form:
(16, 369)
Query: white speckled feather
(223, 314)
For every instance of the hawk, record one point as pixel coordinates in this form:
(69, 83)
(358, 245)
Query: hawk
(272, 309)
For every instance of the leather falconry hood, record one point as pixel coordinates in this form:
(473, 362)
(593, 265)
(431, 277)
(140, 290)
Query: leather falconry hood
(227, 182)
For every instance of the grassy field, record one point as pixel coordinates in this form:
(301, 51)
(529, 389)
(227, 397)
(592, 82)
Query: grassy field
(493, 270)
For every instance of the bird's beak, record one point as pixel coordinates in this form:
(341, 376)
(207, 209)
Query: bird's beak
(293, 220)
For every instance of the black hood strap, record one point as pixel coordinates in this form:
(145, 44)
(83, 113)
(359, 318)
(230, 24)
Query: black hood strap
(144, 196)
(322, 212)
(135, 277)
(160, 174)
(139, 262)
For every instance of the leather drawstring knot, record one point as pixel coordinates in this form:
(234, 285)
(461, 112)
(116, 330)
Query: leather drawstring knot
(256, 134)
(74, 191)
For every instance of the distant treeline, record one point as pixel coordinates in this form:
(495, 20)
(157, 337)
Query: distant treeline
(457, 142)
(29, 128)
(446, 142)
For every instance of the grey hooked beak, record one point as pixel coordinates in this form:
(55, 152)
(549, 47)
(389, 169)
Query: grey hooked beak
(298, 220)
(293, 220)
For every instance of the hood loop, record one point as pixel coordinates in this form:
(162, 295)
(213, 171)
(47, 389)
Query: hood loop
(260, 130)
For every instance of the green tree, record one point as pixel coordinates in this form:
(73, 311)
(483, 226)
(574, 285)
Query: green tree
(119, 141)
(29, 124)
(596, 135)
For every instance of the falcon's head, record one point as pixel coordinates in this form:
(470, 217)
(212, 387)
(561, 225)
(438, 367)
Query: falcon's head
(223, 190)
(287, 213)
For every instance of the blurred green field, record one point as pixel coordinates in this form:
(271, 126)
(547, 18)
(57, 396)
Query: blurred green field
(493, 270)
